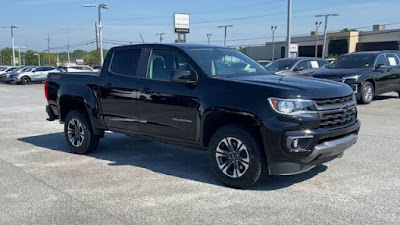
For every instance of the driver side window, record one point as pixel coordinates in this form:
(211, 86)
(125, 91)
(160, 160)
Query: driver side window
(163, 63)
(304, 65)
(381, 60)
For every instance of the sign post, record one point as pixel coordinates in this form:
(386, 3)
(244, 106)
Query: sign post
(181, 25)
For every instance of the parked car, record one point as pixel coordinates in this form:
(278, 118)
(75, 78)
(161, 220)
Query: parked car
(96, 68)
(8, 69)
(264, 62)
(5, 72)
(31, 74)
(252, 122)
(77, 68)
(296, 66)
(367, 73)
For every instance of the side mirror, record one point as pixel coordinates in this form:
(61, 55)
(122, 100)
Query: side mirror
(33, 71)
(380, 66)
(298, 69)
(182, 76)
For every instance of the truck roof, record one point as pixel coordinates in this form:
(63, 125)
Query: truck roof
(177, 45)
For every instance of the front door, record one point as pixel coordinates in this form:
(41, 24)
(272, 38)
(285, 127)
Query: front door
(166, 109)
(119, 90)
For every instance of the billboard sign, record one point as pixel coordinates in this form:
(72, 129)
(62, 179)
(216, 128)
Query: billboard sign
(79, 61)
(181, 23)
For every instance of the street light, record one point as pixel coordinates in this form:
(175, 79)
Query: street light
(326, 26)
(289, 28)
(161, 36)
(208, 38)
(99, 7)
(273, 29)
(225, 27)
(12, 41)
(38, 55)
(317, 25)
(19, 54)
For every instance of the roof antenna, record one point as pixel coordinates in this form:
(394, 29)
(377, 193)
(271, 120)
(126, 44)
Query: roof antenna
(141, 37)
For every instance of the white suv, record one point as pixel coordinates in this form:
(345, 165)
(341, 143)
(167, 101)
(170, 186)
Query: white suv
(77, 68)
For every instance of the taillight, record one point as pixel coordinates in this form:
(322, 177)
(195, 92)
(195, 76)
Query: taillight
(46, 89)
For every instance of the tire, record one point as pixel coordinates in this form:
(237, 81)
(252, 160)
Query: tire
(252, 154)
(78, 123)
(367, 93)
(25, 80)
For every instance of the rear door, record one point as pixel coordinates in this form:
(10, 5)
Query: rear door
(118, 85)
(394, 69)
(166, 109)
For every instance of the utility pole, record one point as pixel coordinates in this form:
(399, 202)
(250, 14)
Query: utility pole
(225, 27)
(69, 59)
(97, 37)
(289, 28)
(48, 48)
(100, 26)
(317, 25)
(208, 37)
(19, 54)
(325, 31)
(161, 36)
(273, 29)
(38, 55)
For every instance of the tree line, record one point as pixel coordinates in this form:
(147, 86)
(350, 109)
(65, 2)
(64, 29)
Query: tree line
(29, 57)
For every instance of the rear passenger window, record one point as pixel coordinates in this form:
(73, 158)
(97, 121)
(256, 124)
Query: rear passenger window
(392, 59)
(125, 62)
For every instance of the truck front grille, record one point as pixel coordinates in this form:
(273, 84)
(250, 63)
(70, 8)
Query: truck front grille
(337, 112)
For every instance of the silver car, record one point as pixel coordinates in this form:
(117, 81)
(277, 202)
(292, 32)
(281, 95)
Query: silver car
(32, 74)
(301, 66)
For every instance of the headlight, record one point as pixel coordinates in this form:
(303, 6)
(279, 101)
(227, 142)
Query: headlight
(294, 107)
(354, 77)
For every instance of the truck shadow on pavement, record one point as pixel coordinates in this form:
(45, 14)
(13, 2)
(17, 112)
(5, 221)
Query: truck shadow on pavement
(162, 158)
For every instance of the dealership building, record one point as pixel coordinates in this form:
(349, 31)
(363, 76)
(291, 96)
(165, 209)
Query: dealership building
(338, 43)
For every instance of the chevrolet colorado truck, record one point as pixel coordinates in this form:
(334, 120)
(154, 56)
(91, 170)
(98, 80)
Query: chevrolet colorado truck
(253, 123)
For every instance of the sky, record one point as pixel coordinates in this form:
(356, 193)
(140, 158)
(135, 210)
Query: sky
(125, 20)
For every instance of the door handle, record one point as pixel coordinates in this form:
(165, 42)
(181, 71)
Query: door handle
(107, 86)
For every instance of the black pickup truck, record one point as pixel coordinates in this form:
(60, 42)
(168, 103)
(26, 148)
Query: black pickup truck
(253, 123)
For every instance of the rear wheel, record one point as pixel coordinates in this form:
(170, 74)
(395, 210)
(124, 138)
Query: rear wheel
(79, 133)
(367, 93)
(25, 80)
(236, 156)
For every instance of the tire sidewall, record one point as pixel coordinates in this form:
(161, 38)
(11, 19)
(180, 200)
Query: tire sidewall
(86, 146)
(365, 84)
(25, 78)
(253, 173)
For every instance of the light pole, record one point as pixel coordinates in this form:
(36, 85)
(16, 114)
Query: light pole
(208, 38)
(19, 54)
(317, 25)
(161, 36)
(225, 27)
(273, 29)
(325, 30)
(38, 55)
(12, 41)
(289, 28)
(99, 7)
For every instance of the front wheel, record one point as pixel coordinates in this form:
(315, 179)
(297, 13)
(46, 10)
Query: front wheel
(367, 92)
(79, 133)
(236, 156)
(25, 80)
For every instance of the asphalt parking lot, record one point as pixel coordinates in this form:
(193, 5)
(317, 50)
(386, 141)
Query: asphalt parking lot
(128, 181)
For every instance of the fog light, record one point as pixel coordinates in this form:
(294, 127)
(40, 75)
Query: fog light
(295, 143)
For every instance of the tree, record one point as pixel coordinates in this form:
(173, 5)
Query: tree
(348, 30)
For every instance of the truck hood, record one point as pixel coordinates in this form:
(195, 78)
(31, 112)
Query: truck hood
(338, 73)
(297, 87)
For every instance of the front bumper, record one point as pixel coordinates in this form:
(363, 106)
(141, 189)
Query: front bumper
(325, 146)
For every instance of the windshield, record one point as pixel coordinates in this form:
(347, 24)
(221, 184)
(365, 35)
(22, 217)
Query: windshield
(27, 69)
(225, 62)
(353, 61)
(280, 65)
